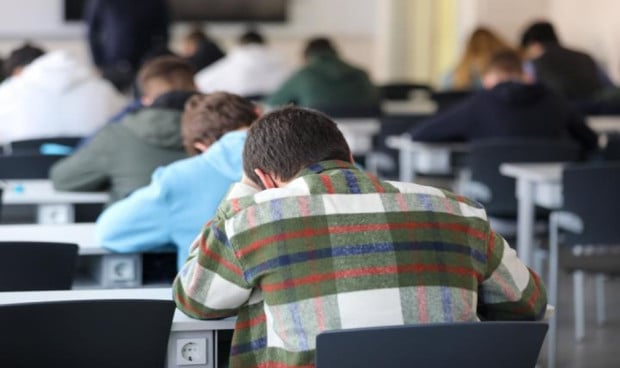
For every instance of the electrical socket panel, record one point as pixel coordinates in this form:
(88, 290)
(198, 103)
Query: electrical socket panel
(192, 351)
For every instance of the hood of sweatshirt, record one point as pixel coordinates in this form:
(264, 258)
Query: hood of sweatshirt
(159, 127)
(226, 154)
(517, 94)
(56, 72)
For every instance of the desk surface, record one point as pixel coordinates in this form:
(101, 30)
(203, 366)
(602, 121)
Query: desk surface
(404, 142)
(545, 172)
(181, 322)
(42, 192)
(81, 234)
(604, 124)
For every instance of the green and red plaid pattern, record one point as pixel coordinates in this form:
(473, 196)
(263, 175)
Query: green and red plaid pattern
(337, 248)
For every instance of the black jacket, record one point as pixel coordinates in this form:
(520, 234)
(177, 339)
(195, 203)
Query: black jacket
(509, 110)
(569, 73)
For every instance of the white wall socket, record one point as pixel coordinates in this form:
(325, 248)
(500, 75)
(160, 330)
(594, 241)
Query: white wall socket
(191, 351)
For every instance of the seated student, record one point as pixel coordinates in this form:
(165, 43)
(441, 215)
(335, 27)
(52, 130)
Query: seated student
(307, 242)
(326, 82)
(572, 74)
(121, 157)
(199, 50)
(53, 94)
(252, 68)
(185, 194)
(509, 107)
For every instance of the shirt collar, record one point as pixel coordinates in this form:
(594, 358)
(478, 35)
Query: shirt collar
(323, 166)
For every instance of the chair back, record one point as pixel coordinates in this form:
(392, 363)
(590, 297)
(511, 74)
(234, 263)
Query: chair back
(27, 266)
(33, 146)
(591, 192)
(612, 150)
(464, 345)
(27, 166)
(401, 91)
(86, 333)
(486, 157)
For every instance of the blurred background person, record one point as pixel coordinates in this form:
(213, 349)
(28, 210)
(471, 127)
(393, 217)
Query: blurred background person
(326, 82)
(572, 74)
(200, 50)
(481, 46)
(121, 33)
(250, 69)
(53, 94)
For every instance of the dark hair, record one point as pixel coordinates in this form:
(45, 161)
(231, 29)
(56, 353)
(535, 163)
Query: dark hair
(173, 70)
(542, 32)
(21, 57)
(319, 45)
(208, 117)
(506, 61)
(196, 34)
(287, 140)
(251, 37)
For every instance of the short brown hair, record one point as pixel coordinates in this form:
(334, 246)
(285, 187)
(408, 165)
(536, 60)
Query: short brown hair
(505, 62)
(287, 140)
(195, 35)
(175, 72)
(209, 117)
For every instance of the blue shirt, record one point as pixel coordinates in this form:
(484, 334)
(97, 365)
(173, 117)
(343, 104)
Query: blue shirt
(180, 199)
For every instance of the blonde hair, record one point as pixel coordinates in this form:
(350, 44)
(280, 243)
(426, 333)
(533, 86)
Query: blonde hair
(480, 48)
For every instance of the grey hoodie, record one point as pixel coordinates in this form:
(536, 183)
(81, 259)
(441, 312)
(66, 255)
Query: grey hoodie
(122, 157)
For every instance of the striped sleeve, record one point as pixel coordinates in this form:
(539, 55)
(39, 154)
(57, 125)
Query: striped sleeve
(511, 291)
(211, 283)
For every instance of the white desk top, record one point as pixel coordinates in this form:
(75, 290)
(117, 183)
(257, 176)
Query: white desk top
(42, 192)
(81, 234)
(409, 107)
(545, 172)
(604, 124)
(404, 142)
(359, 126)
(181, 322)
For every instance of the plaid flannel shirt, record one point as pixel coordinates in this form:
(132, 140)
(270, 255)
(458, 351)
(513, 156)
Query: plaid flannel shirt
(337, 248)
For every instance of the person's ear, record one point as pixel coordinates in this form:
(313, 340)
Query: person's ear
(266, 179)
(258, 110)
(146, 101)
(351, 158)
(201, 146)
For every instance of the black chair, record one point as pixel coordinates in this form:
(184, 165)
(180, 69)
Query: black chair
(26, 266)
(33, 146)
(27, 166)
(611, 152)
(87, 333)
(589, 224)
(486, 157)
(447, 99)
(401, 91)
(464, 345)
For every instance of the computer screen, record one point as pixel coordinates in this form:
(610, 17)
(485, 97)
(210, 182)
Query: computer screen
(207, 10)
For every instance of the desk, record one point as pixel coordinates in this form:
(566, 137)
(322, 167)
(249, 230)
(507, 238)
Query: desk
(537, 184)
(52, 206)
(604, 124)
(426, 158)
(183, 327)
(358, 133)
(409, 107)
(108, 269)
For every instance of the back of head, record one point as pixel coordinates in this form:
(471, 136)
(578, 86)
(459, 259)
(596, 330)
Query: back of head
(164, 74)
(539, 32)
(319, 46)
(503, 66)
(287, 140)
(21, 57)
(192, 41)
(251, 37)
(209, 117)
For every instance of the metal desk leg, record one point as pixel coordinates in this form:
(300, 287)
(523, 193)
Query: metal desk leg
(525, 220)
(405, 158)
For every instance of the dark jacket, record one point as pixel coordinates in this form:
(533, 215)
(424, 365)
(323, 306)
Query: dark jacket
(206, 54)
(121, 32)
(327, 82)
(509, 110)
(569, 73)
(123, 156)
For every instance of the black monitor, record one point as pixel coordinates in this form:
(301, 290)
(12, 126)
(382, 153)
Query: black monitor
(207, 10)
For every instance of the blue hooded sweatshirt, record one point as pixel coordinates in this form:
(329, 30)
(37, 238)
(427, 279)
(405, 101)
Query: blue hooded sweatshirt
(177, 203)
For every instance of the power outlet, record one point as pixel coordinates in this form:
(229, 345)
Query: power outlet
(191, 351)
